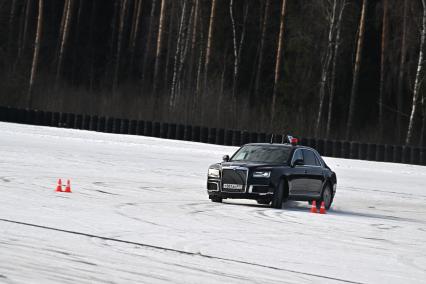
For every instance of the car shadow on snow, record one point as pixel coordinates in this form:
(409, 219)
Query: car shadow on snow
(377, 216)
(303, 206)
(288, 205)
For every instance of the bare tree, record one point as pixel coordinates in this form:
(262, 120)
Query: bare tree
(199, 65)
(209, 41)
(178, 56)
(147, 51)
(235, 49)
(119, 42)
(112, 39)
(418, 81)
(331, 14)
(64, 37)
(277, 72)
(355, 78)
(198, 104)
(159, 44)
(422, 141)
(193, 44)
(23, 27)
(219, 108)
(134, 32)
(237, 53)
(64, 16)
(400, 85)
(92, 47)
(170, 41)
(27, 15)
(12, 15)
(80, 9)
(76, 37)
(262, 46)
(11, 22)
(184, 82)
(337, 42)
(186, 46)
(382, 65)
(36, 52)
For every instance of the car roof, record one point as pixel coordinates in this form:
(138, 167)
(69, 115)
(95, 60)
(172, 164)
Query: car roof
(288, 145)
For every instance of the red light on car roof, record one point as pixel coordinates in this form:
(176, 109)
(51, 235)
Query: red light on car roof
(294, 141)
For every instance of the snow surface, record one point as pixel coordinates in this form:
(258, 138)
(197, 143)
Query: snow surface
(139, 212)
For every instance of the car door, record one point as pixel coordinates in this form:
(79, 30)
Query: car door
(314, 172)
(298, 183)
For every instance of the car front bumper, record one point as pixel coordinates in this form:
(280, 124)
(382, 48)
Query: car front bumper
(249, 191)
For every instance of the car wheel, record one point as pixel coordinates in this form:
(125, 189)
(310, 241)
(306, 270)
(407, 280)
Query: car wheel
(216, 199)
(327, 197)
(277, 199)
(263, 201)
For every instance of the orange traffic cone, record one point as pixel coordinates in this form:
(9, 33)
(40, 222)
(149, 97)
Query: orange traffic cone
(322, 209)
(68, 188)
(59, 186)
(314, 207)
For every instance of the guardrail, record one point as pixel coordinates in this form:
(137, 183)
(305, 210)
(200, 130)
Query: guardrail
(219, 136)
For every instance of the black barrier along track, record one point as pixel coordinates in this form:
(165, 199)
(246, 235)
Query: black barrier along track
(229, 137)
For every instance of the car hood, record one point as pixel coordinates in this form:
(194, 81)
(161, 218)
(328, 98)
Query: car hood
(248, 164)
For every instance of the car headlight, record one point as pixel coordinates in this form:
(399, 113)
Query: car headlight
(214, 173)
(262, 174)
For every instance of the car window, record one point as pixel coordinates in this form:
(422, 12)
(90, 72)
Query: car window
(310, 158)
(263, 154)
(318, 161)
(297, 155)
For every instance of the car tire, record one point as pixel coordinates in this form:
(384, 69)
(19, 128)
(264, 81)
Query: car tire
(277, 199)
(263, 201)
(326, 196)
(216, 199)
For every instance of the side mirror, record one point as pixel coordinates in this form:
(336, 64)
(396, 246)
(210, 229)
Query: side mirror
(225, 158)
(297, 162)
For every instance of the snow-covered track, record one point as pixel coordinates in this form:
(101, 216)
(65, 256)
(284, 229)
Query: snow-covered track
(139, 213)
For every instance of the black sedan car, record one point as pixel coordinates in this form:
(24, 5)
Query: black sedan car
(272, 173)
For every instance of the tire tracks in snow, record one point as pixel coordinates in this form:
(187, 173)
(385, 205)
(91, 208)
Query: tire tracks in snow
(195, 254)
(375, 190)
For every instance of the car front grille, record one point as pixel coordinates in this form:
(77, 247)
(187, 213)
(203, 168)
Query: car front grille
(234, 180)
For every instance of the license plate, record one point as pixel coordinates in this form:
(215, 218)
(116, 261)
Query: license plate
(232, 186)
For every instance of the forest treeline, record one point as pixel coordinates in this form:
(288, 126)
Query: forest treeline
(337, 69)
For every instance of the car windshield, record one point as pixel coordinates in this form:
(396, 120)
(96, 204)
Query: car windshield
(263, 153)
